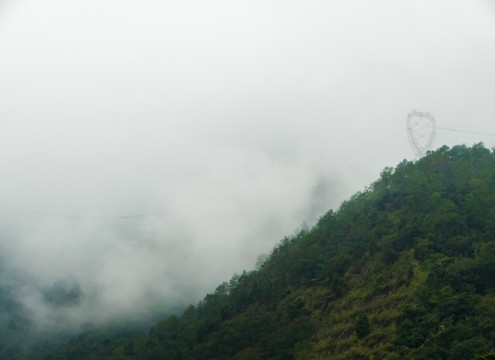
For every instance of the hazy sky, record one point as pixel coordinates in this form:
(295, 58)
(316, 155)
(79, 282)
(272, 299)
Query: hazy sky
(227, 123)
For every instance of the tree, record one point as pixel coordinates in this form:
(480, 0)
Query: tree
(362, 326)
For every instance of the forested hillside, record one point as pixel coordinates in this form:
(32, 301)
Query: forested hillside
(403, 270)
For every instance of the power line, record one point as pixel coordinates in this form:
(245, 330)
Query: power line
(466, 131)
(117, 217)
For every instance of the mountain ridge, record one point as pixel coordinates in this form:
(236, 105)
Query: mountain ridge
(403, 269)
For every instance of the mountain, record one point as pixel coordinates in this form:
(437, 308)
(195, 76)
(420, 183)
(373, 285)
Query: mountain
(403, 270)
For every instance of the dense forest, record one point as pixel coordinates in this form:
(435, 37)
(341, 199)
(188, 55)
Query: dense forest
(403, 270)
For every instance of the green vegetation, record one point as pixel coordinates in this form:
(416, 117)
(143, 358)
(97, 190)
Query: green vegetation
(403, 270)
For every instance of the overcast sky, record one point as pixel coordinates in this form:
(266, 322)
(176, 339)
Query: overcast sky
(227, 123)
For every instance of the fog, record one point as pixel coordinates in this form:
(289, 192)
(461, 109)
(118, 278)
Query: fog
(149, 150)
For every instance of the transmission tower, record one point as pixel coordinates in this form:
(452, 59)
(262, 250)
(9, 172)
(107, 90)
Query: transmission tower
(421, 130)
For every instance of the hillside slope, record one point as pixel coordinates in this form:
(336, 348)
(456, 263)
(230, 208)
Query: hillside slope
(403, 270)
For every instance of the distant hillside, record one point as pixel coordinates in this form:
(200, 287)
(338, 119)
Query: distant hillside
(403, 270)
